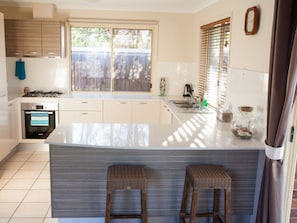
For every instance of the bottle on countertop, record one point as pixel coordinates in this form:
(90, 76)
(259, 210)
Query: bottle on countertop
(162, 86)
(204, 101)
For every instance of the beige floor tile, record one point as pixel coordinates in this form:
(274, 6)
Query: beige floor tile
(19, 184)
(45, 174)
(4, 220)
(7, 209)
(41, 184)
(39, 157)
(12, 165)
(38, 196)
(47, 167)
(20, 157)
(7, 174)
(26, 220)
(26, 174)
(33, 165)
(31, 210)
(3, 182)
(51, 220)
(12, 195)
(49, 213)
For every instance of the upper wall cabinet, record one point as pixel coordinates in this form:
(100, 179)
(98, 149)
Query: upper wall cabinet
(53, 39)
(14, 38)
(34, 38)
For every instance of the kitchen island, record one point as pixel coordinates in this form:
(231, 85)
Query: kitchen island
(80, 154)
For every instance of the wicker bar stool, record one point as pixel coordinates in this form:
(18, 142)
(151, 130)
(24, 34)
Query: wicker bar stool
(206, 177)
(126, 177)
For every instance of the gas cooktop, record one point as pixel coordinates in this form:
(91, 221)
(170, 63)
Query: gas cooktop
(49, 94)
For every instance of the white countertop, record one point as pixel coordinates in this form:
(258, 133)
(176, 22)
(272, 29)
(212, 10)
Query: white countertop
(199, 132)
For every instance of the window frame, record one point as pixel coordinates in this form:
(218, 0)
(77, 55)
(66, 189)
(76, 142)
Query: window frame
(118, 24)
(204, 80)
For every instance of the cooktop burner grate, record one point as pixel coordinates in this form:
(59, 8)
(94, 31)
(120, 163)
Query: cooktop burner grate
(50, 94)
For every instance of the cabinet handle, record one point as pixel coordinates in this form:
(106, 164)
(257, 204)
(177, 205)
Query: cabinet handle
(83, 102)
(84, 113)
(16, 53)
(143, 103)
(123, 103)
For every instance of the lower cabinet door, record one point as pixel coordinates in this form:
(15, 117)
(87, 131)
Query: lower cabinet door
(80, 116)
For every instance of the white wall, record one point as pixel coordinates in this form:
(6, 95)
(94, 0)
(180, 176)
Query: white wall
(249, 55)
(175, 50)
(178, 45)
(246, 52)
(41, 74)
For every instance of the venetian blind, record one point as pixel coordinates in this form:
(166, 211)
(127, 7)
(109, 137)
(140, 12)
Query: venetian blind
(214, 61)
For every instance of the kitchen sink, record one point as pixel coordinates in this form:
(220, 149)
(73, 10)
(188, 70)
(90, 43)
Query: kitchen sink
(189, 106)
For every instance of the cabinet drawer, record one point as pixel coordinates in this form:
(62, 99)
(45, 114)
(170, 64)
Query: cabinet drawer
(146, 112)
(117, 112)
(80, 105)
(80, 116)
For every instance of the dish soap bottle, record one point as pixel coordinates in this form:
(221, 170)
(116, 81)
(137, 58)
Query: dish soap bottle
(204, 101)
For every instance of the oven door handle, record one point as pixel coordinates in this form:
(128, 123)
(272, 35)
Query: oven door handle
(30, 112)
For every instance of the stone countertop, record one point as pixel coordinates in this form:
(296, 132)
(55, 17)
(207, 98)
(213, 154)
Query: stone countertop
(198, 132)
(195, 131)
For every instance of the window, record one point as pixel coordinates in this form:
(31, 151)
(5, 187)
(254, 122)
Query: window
(214, 61)
(110, 58)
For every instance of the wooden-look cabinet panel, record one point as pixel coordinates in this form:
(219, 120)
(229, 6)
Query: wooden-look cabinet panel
(34, 38)
(14, 38)
(52, 38)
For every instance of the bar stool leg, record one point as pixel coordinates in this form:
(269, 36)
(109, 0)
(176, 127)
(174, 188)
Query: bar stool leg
(182, 213)
(107, 209)
(227, 206)
(216, 203)
(143, 207)
(194, 205)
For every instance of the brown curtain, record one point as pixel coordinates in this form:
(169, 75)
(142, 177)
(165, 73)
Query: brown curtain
(281, 95)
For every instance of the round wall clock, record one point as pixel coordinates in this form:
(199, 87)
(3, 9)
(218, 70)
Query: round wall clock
(251, 22)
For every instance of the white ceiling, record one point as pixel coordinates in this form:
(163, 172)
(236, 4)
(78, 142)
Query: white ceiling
(182, 6)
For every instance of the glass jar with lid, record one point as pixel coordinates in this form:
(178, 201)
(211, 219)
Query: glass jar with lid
(243, 124)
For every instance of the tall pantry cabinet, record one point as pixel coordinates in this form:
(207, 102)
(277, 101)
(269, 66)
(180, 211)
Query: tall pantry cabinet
(7, 139)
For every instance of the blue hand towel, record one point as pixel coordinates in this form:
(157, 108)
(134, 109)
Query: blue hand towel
(39, 118)
(20, 71)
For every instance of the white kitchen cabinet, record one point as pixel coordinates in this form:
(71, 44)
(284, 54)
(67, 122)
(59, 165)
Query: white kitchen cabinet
(165, 114)
(124, 111)
(8, 116)
(3, 74)
(9, 129)
(117, 111)
(79, 110)
(146, 112)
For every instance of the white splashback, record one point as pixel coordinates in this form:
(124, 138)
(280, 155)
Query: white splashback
(177, 74)
(248, 88)
(51, 74)
(41, 74)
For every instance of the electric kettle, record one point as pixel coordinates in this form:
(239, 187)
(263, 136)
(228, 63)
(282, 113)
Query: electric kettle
(188, 90)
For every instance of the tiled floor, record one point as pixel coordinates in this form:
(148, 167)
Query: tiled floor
(25, 187)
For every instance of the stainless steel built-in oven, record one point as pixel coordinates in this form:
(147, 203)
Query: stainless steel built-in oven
(38, 120)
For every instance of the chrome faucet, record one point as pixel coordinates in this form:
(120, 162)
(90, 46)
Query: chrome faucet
(195, 99)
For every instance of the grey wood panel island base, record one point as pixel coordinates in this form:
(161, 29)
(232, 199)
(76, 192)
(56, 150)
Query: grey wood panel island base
(81, 153)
